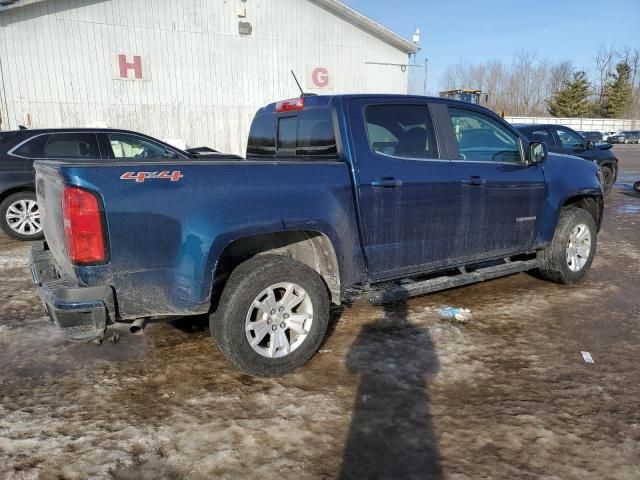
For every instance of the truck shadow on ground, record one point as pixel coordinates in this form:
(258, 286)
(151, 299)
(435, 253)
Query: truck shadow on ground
(391, 434)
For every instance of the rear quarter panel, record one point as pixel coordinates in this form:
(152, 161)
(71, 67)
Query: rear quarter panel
(15, 174)
(166, 236)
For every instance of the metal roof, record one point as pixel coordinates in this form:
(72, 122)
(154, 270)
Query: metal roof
(368, 25)
(5, 4)
(334, 6)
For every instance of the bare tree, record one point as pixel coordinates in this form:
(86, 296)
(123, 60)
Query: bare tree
(604, 62)
(519, 88)
(559, 74)
(524, 86)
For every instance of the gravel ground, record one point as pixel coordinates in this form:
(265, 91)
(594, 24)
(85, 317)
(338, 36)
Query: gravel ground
(395, 392)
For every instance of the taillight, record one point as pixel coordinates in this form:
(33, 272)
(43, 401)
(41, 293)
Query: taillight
(83, 227)
(290, 105)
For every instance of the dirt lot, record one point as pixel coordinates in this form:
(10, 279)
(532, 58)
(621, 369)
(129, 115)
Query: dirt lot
(396, 392)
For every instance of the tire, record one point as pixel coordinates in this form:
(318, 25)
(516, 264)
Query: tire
(238, 308)
(607, 179)
(11, 209)
(554, 260)
(626, 140)
(636, 187)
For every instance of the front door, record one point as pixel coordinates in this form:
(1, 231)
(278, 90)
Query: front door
(544, 135)
(501, 196)
(406, 192)
(570, 143)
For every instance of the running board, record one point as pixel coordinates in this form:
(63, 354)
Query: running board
(402, 292)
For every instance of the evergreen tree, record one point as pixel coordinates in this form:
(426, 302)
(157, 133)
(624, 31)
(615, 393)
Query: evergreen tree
(571, 99)
(618, 92)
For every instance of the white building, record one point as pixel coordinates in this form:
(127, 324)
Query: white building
(195, 70)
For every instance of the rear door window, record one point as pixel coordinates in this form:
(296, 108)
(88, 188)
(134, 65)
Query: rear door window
(72, 145)
(403, 131)
(33, 148)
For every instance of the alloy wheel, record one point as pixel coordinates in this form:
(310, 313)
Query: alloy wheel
(23, 217)
(578, 247)
(279, 320)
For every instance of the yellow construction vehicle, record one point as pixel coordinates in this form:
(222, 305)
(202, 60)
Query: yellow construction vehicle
(471, 96)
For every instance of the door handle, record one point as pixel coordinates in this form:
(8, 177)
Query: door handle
(475, 180)
(386, 182)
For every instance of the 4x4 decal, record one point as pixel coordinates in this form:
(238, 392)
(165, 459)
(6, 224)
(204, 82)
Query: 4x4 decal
(140, 177)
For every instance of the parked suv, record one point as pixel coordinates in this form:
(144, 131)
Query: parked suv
(561, 139)
(594, 136)
(627, 136)
(19, 212)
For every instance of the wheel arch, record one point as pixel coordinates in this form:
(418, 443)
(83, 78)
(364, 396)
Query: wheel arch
(610, 163)
(12, 190)
(312, 248)
(591, 203)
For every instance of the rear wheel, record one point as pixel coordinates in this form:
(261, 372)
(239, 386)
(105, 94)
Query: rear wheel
(20, 216)
(570, 254)
(607, 179)
(636, 187)
(272, 316)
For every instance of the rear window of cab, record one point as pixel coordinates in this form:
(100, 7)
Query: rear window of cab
(307, 133)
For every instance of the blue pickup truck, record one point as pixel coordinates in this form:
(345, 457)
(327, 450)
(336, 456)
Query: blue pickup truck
(398, 195)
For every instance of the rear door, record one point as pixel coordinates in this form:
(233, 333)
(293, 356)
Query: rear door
(72, 146)
(501, 196)
(406, 196)
(17, 164)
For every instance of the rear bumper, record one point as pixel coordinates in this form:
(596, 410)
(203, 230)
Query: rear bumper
(81, 313)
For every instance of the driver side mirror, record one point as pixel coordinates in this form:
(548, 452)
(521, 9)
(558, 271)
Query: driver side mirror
(590, 144)
(170, 154)
(538, 152)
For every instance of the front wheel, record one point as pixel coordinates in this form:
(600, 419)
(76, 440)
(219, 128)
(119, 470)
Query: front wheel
(20, 216)
(570, 254)
(272, 315)
(636, 187)
(607, 179)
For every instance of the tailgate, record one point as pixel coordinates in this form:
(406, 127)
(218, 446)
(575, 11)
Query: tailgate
(49, 188)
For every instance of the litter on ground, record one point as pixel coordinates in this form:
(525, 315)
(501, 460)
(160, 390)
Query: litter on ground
(460, 314)
(586, 356)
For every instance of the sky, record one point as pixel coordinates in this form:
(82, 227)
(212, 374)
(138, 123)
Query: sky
(477, 31)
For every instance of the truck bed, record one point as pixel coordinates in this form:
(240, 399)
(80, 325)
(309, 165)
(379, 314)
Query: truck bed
(165, 235)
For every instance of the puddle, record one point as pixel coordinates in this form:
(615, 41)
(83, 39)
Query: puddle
(629, 208)
(628, 177)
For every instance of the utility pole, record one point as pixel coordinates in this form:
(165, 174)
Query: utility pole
(426, 64)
